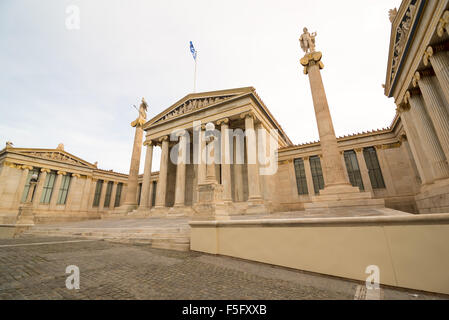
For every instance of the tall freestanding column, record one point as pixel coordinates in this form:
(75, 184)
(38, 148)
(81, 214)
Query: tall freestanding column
(131, 193)
(336, 181)
(146, 176)
(162, 182)
(225, 160)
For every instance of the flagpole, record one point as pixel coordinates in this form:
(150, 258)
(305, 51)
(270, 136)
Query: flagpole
(194, 75)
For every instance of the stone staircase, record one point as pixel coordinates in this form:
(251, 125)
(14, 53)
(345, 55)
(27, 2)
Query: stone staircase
(161, 237)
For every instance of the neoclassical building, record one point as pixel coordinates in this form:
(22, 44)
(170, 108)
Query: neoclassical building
(403, 167)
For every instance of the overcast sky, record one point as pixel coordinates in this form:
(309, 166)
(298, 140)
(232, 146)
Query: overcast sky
(78, 86)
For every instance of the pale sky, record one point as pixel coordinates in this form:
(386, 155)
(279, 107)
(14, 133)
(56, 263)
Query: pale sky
(78, 86)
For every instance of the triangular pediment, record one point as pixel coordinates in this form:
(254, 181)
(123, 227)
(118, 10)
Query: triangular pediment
(195, 102)
(54, 155)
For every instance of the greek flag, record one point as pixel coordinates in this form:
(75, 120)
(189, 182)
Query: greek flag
(192, 50)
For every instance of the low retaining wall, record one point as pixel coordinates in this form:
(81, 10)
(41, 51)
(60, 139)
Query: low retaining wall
(411, 251)
(8, 231)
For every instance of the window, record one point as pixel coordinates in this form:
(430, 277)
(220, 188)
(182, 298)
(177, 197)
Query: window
(372, 163)
(153, 195)
(118, 194)
(301, 180)
(26, 189)
(64, 190)
(107, 198)
(48, 187)
(317, 174)
(139, 191)
(97, 193)
(352, 166)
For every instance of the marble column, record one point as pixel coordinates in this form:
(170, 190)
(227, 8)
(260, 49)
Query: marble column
(22, 182)
(438, 56)
(252, 165)
(238, 170)
(332, 166)
(104, 187)
(363, 170)
(113, 194)
(428, 137)
(210, 166)
(162, 182)
(146, 176)
(309, 178)
(86, 194)
(225, 160)
(56, 187)
(436, 107)
(416, 146)
(73, 188)
(131, 194)
(202, 156)
(180, 189)
(40, 186)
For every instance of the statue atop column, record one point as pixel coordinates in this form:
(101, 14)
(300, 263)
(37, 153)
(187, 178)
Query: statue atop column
(140, 121)
(307, 41)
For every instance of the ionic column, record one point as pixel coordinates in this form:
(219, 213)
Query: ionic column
(253, 167)
(56, 187)
(363, 170)
(333, 170)
(40, 186)
(436, 108)
(416, 146)
(210, 166)
(146, 175)
(438, 56)
(131, 193)
(180, 190)
(162, 182)
(225, 160)
(72, 190)
(238, 170)
(113, 194)
(104, 187)
(22, 182)
(428, 137)
(150, 194)
(202, 156)
(309, 178)
(85, 200)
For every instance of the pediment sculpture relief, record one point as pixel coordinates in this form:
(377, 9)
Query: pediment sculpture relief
(192, 105)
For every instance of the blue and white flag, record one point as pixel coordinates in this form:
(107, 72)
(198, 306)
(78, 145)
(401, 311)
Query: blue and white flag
(192, 50)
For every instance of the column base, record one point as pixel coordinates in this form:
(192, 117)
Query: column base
(159, 211)
(25, 215)
(180, 211)
(126, 208)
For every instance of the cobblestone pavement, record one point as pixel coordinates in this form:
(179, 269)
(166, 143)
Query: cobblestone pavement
(34, 268)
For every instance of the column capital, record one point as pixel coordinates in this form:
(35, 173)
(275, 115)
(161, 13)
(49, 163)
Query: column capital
(76, 175)
(443, 25)
(148, 143)
(427, 54)
(403, 107)
(24, 167)
(310, 59)
(403, 137)
(358, 150)
(164, 138)
(61, 173)
(45, 170)
(223, 121)
(306, 158)
(416, 78)
(379, 147)
(248, 114)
